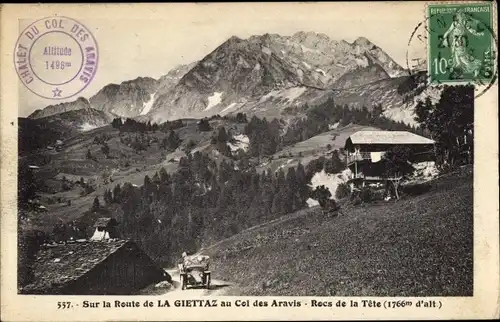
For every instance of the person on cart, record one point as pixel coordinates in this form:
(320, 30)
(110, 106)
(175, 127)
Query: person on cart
(194, 270)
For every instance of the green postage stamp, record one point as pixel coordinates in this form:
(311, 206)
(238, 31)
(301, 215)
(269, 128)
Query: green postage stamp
(461, 43)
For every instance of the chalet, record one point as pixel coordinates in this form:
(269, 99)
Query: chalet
(111, 267)
(365, 150)
(105, 228)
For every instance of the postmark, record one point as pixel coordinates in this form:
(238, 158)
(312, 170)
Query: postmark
(56, 57)
(455, 44)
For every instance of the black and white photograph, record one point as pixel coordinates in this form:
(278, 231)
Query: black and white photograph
(239, 152)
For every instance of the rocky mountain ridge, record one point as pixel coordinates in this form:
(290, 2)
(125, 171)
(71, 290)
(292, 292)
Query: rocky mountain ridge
(264, 75)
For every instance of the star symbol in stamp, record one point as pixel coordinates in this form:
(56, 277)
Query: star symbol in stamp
(57, 92)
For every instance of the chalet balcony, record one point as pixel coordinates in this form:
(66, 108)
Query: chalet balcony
(359, 156)
(364, 177)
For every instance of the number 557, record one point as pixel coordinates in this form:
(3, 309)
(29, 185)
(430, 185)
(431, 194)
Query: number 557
(63, 305)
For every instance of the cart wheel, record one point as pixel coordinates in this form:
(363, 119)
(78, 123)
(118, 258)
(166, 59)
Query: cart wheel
(183, 282)
(207, 281)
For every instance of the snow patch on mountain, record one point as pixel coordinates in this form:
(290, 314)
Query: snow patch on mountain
(230, 106)
(290, 94)
(407, 114)
(300, 73)
(239, 141)
(319, 70)
(85, 127)
(308, 50)
(243, 62)
(213, 100)
(362, 62)
(293, 93)
(333, 126)
(433, 92)
(399, 114)
(307, 65)
(266, 50)
(147, 105)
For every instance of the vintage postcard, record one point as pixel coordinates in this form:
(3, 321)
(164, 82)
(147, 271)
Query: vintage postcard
(249, 161)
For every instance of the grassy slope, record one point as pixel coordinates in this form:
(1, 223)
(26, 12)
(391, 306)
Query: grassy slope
(419, 246)
(312, 148)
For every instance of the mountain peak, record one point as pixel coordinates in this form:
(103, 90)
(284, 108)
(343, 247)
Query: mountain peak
(362, 41)
(140, 79)
(234, 39)
(78, 104)
(231, 42)
(309, 34)
(82, 99)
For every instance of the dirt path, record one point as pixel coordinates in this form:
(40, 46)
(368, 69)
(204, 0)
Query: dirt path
(217, 287)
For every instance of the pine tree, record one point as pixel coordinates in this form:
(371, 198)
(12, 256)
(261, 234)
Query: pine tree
(334, 164)
(117, 123)
(148, 188)
(449, 120)
(108, 197)
(117, 194)
(222, 136)
(322, 194)
(292, 191)
(302, 183)
(204, 125)
(95, 205)
(164, 177)
(172, 141)
(156, 178)
(105, 149)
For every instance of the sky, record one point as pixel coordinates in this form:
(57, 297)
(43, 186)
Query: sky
(149, 40)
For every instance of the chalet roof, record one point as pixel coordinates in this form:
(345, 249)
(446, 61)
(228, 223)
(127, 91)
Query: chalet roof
(388, 137)
(105, 222)
(57, 265)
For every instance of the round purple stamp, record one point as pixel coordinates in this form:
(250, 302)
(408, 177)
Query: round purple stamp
(56, 57)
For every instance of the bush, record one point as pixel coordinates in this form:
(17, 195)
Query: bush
(416, 189)
(189, 146)
(65, 186)
(343, 190)
(204, 125)
(366, 194)
(88, 189)
(322, 194)
(362, 195)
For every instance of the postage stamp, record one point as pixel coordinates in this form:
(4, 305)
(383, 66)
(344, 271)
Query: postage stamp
(56, 57)
(461, 46)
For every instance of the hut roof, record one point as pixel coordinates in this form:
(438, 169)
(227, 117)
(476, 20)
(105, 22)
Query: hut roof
(388, 137)
(57, 265)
